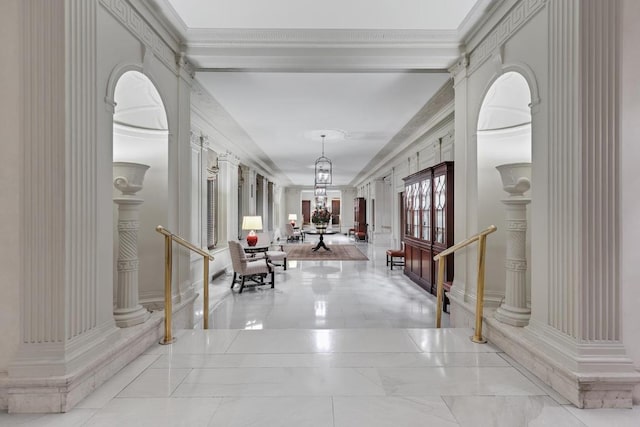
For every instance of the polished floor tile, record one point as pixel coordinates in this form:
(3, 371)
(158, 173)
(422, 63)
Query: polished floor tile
(101, 397)
(156, 412)
(274, 412)
(197, 341)
(155, 383)
(392, 411)
(446, 381)
(251, 382)
(510, 411)
(323, 341)
(336, 343)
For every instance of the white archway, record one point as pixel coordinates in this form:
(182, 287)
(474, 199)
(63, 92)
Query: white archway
(141, 135)
(503, 136)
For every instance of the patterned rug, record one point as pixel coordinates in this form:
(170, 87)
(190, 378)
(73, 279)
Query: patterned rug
(337, 253)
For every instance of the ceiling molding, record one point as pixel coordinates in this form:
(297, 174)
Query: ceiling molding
(439, 107)
(318, 37)
(231, 136)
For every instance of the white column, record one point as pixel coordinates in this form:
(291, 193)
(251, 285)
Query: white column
(128, 312)
(514, 310)
(128, 178)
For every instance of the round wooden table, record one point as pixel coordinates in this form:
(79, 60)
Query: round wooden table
(321, 242)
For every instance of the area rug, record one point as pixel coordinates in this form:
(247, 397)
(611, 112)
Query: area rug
(337, 253)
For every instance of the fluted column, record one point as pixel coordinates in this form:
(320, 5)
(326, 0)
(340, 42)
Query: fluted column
(66, 321)
(579, 317)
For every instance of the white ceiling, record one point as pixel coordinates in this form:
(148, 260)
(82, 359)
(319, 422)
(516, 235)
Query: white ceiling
(327, 14)
(283, 69)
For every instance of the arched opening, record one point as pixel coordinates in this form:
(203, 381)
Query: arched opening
(141, 135)
(503, 137)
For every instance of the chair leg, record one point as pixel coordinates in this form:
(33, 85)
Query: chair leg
(391, 263)
(273, 279)
(388, 262)
(233, 282)
(285, 264)
(242, 285)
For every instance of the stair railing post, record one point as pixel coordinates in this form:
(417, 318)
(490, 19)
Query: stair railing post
(168, 271)
(440, 292)
(482, 245)
(206, 292)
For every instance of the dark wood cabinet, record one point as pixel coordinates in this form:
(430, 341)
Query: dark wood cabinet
(360, 217)
(428, 223)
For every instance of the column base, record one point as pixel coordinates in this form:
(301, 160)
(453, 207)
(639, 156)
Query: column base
(44, 393)
(513, 316)
(607, 382)
(127, 317)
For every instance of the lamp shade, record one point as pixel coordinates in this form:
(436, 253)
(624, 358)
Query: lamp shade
(252, 223)
(293, 217)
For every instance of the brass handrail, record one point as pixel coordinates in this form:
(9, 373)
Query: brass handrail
(168, 272)
(482, 247)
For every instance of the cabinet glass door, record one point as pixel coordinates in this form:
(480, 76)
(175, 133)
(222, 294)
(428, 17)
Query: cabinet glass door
(416, 210)
(425, 197)
(440, 203)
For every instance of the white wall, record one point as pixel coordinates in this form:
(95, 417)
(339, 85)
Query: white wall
(630, 183)
(10, 163)
(149, 148)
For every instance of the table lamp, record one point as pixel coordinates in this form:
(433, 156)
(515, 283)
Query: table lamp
(293, 218)
(252, 223)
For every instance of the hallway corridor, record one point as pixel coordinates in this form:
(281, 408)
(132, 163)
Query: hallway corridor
(336, 343)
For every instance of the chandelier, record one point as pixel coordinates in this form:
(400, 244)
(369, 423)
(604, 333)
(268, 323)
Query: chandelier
(323, 169)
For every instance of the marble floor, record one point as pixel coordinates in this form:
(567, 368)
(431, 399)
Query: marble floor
(336, 343)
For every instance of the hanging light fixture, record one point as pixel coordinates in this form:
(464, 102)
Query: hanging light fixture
(323, 168)
(320, 190)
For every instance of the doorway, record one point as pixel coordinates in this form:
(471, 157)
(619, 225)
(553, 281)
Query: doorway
(335, 212)
(306, 212)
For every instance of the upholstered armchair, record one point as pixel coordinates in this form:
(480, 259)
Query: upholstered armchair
(292, 233)
(255, 271)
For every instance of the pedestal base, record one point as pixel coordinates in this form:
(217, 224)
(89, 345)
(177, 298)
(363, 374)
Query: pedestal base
(513, 316)
(126, 317)
(321, 245)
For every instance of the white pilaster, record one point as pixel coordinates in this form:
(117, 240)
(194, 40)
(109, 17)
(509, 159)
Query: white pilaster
(582, 331)
(228, 196)
(66, 322)
(463, 181)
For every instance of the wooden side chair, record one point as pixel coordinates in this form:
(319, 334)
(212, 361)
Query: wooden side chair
(395, 253)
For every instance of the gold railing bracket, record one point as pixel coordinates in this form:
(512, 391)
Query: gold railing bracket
(482, 249)
(169, 238)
